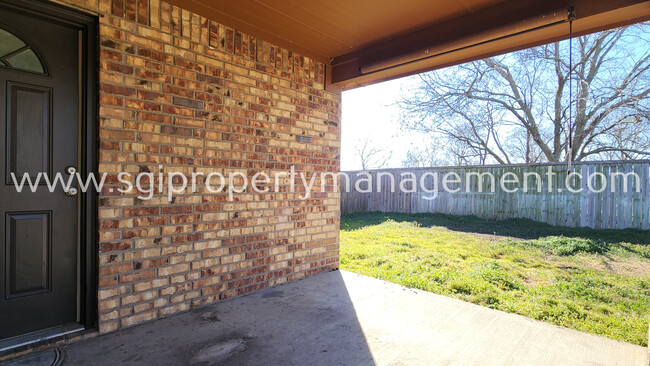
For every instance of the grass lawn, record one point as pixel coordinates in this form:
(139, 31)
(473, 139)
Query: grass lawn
(595, 281)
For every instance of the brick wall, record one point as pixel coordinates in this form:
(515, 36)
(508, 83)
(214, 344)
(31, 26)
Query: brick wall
(179, 92)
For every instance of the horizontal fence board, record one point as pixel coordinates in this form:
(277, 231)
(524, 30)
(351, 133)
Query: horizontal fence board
(540, 194)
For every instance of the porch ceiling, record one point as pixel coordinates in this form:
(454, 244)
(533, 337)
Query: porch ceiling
(360, 39)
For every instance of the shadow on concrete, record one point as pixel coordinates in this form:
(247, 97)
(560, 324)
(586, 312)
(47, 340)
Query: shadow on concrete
(316, 321)
(517, 228)
(306, 322)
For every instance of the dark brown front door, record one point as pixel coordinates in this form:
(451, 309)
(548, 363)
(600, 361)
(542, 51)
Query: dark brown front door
(40, 113)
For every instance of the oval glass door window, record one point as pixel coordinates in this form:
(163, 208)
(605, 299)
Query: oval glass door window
(16, 54)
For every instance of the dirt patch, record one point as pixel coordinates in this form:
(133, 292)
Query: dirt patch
(622, 266)
(638, 268)
(216, 353)
(565, 267)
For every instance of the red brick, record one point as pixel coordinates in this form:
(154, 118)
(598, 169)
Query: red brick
(196, 108)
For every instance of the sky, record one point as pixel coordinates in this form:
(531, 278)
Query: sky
(370, 112)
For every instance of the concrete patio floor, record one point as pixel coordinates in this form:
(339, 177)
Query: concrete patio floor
(341, 318)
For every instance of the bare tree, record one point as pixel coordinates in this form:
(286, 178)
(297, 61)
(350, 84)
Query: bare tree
(515, 107)
(428, 156)
(521, 146)
(370, 156)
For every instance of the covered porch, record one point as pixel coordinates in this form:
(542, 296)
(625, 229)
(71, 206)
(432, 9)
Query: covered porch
(198, 86)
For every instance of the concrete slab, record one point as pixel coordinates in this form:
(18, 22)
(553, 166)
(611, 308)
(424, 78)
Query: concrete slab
(341, 318)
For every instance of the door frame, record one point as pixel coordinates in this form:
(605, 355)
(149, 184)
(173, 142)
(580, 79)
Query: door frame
(87, 267)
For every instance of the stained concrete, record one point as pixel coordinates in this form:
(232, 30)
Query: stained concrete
(50, 357)
(340, 318)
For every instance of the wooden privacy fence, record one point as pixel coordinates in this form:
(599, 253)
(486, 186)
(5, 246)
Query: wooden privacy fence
(601, 195)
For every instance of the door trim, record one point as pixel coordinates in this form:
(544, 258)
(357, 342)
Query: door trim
(87, 25)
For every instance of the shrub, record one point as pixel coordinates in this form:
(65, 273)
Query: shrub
(562, 245)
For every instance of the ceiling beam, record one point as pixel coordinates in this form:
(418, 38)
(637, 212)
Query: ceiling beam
(447, 41)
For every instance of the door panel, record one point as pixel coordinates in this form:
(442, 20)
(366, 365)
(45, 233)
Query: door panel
(28, 130)
(39, 113)
(28, 249)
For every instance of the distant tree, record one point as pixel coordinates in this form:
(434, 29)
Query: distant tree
(371, 157)
(428, 156)
(515, 107)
